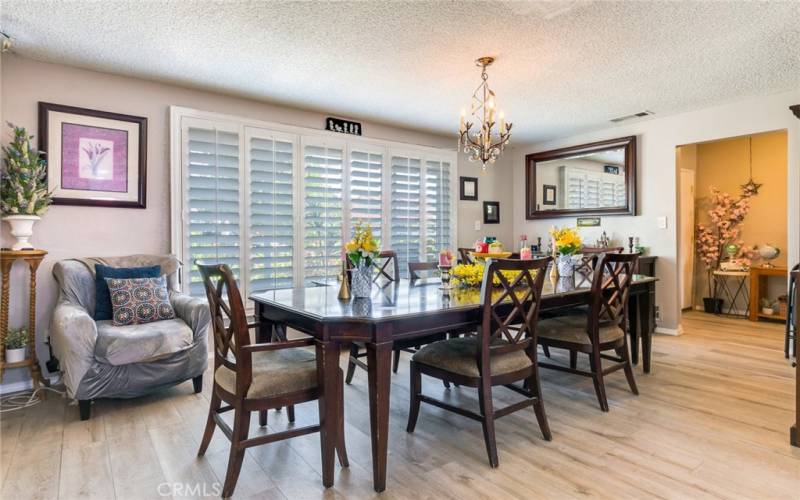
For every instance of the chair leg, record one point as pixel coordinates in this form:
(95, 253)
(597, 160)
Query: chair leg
(396, 361)
(487, 411)
(533, 385)
(546, 350)
(197, 382)
(597, 378)
(262, 418)
(241, 425)
(290, 413)
(573, 359)
(416, 390)
(446, 384)
(623, 353)
(341, 448)
(351, 365)
(210, 424)
(85, 408)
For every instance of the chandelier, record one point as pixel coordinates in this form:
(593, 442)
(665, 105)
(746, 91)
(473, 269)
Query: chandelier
(483, 144)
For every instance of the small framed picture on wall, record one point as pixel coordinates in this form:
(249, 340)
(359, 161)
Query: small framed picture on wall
(94, 158)
(491, 212)
(469, 188)
(548, 194)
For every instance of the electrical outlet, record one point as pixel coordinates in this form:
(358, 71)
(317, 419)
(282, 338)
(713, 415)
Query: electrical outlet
(477, 225)
(658, 314)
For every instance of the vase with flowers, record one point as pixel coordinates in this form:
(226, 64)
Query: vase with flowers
(566, 243)
(721, 236)
(362, 251)
(24, 196)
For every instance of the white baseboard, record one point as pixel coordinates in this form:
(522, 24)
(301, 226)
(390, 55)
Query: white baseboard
(670, 331)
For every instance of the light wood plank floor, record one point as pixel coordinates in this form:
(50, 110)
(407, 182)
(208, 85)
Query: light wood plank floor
(711, 421)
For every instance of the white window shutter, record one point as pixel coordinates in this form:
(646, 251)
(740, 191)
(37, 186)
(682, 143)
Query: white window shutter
(366, 190)
(323, 219)
(271, 217)
(405, 215)
(213, 198)
(438, 220)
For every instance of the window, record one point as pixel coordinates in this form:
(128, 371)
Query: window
(276, 202)
(323, 212)
(271, 216)
(212, 199)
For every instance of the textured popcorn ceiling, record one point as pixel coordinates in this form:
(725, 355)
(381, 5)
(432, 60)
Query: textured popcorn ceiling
(562, 66)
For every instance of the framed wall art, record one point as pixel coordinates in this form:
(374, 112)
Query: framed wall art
(548, 194)
(94, 158)
(491, 212)
(469, 188)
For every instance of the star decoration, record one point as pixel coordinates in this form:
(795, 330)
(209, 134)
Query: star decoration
(751, 188)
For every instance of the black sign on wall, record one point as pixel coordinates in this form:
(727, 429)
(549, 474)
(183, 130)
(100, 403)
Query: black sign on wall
(342, 126)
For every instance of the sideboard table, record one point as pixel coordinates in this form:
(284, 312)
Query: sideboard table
(32, 258)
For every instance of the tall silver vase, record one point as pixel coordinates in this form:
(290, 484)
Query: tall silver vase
(361, 284)
(566, 267)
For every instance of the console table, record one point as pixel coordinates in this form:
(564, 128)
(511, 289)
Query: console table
(32, 258)
(758, 288)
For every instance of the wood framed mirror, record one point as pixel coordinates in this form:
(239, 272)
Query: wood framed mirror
(590, 179)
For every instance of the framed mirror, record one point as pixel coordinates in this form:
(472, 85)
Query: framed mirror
(590, 179)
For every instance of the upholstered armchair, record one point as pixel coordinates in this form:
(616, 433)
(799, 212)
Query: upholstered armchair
(98, 359)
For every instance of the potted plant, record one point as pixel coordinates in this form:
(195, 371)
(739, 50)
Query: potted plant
(16, 344)
(362, 251)
(726, 215)
(767, 306)
(24, 197)
(566, 242)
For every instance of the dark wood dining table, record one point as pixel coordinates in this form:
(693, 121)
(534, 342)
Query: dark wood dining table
(398, 312)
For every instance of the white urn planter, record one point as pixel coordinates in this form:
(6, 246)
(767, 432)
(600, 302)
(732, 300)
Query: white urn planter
(15, 355)
(22, 230)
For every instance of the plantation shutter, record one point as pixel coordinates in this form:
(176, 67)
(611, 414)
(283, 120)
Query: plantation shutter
(211, 156)
(437, 208)
(323, 211)
(366, 175)
(271, 232)
(405, 212)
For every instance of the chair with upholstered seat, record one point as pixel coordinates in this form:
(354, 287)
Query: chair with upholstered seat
(502, 352)
(599, 329)
(252, 377)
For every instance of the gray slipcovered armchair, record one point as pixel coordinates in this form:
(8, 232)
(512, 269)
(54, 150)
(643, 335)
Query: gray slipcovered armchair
(100, 360)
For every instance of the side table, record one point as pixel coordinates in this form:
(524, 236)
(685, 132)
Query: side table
(32, 258)
(758, 289)
(734, 291)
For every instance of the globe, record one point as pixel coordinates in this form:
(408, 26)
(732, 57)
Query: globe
(768, 252)
(731, 249)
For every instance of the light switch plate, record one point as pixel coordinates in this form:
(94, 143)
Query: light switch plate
(477, 225)
(661, 222)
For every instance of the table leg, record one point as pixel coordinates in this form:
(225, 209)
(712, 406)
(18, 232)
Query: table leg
(265, 327)
(328, 379)
(646, 314)
(379, 362)
(633, 327)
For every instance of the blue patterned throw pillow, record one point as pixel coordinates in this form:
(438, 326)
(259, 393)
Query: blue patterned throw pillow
(102, 309)
(139, 300)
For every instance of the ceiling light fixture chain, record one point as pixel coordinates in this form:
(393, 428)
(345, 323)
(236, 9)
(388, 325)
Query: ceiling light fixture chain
(484, 144)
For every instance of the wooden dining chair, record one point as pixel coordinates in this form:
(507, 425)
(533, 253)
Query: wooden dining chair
(584, 269)
(790, 341)
(502, 352)
(414, 268)
(386, 265)
(600, 328)
(252, 377)
(466, 256)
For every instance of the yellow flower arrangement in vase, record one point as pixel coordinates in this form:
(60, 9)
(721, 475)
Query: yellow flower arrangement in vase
(566, 242)
(362, 251)
(471, 275)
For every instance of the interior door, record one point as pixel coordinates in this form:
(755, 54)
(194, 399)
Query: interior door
(687, 237)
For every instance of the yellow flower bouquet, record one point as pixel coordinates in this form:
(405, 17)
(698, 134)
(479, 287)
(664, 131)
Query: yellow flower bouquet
(471, 275)
(362, 249)
(567, 240)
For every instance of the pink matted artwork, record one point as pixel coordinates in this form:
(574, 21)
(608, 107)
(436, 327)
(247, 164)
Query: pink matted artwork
(94, 158)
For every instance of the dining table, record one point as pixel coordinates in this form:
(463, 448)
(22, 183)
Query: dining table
(401, 311)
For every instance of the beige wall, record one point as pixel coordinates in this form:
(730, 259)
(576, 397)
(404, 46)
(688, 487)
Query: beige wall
(657, 179)
(68, 231)
(724, 164)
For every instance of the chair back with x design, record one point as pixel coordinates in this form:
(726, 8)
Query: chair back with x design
(510, 312)
(386, 265)
(610, 288)
(228, 318)
(466, 258)
(584, 270)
